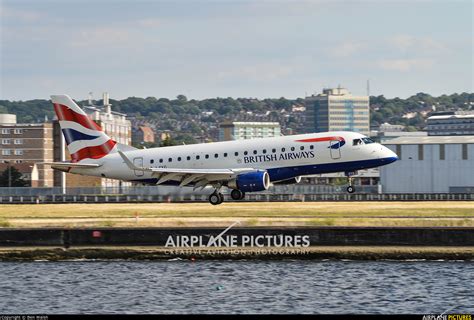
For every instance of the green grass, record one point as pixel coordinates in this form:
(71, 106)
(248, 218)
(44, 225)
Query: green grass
(5, 223)
(442, 213)
(241, 209)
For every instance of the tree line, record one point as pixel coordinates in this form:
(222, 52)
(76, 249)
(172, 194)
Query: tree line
(382, 109)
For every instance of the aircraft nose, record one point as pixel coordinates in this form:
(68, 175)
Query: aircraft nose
(389, 155)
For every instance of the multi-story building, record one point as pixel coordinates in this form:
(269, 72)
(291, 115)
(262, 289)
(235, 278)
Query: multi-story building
(142, 134)
(27, 143)
(451, 124)
(337, 110)
(248, 130)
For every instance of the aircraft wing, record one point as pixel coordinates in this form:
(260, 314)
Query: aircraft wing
(200, 177)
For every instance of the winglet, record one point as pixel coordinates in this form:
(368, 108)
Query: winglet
(128, 162)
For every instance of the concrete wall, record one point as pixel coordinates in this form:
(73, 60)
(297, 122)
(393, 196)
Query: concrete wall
(318, 236)
(430, 175)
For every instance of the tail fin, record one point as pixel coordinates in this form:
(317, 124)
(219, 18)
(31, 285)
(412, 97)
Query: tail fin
(84, 138)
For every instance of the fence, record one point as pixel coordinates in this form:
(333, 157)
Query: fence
(255, 197)
(174, 191)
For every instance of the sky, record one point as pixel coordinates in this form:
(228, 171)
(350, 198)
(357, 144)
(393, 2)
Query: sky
(261, 49)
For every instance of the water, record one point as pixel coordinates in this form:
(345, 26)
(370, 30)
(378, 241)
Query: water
(236, 287)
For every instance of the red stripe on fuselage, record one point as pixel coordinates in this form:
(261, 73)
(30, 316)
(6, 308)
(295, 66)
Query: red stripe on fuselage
(66, 114)
(93, 152)
(321, 139)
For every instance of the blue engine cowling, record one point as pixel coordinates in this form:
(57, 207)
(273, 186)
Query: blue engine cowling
(251, 182)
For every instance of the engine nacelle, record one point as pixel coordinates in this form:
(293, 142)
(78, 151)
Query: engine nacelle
(289, 181)
(250, 182)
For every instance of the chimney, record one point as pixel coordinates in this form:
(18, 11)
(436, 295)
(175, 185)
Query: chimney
(107, 106)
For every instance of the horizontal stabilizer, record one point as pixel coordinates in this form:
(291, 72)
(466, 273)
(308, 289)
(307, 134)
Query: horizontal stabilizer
(71, 165)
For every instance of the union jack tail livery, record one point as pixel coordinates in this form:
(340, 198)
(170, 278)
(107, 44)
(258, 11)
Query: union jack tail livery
(84, 138)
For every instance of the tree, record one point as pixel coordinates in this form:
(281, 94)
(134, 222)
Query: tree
(15, 176)
(167, 142)
(182, 98)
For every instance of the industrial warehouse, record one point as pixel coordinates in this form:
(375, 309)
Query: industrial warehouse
(434, 164)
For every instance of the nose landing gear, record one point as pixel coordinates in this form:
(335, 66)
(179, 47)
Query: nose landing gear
(350, 189)
(349, 175)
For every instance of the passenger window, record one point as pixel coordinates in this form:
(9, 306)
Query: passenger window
(356, 142)
(236, 154)
(302, 148)
(207, 156)
(264, 151)
(292, 148)
(274, 150)
(245, 153)
(225, 154)
(152, 161)
(311, 147)
(179, 158)
(255, 152)
(197, 157)
(282, 149)
(161, 160)
(216, 155)
(188, 158)
(170, 160)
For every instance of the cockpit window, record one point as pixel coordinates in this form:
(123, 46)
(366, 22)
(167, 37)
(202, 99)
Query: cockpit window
(356, 142)
(368, 140)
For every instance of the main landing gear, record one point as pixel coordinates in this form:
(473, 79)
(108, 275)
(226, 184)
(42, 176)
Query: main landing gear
(216, 198)
(237, 194)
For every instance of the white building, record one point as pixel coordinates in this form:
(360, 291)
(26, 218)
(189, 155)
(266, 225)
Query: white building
(248, 130)
(430, 165)
(387, 127)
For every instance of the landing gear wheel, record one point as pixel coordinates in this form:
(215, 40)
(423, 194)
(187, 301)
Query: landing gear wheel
(221, 198)
(350, 189)
(216, 198)
(236, 194)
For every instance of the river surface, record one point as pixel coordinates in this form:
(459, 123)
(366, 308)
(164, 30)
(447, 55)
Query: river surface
(237, 287)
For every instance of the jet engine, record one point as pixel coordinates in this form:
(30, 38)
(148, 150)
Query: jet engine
(251, 181)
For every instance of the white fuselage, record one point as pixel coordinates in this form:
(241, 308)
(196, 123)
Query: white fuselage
(282, 157)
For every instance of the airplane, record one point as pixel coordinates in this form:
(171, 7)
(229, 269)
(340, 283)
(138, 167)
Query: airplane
(240, 165)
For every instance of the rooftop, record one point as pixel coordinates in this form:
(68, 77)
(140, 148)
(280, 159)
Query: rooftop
(432, 140)
(244, 123)
(453, 116)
